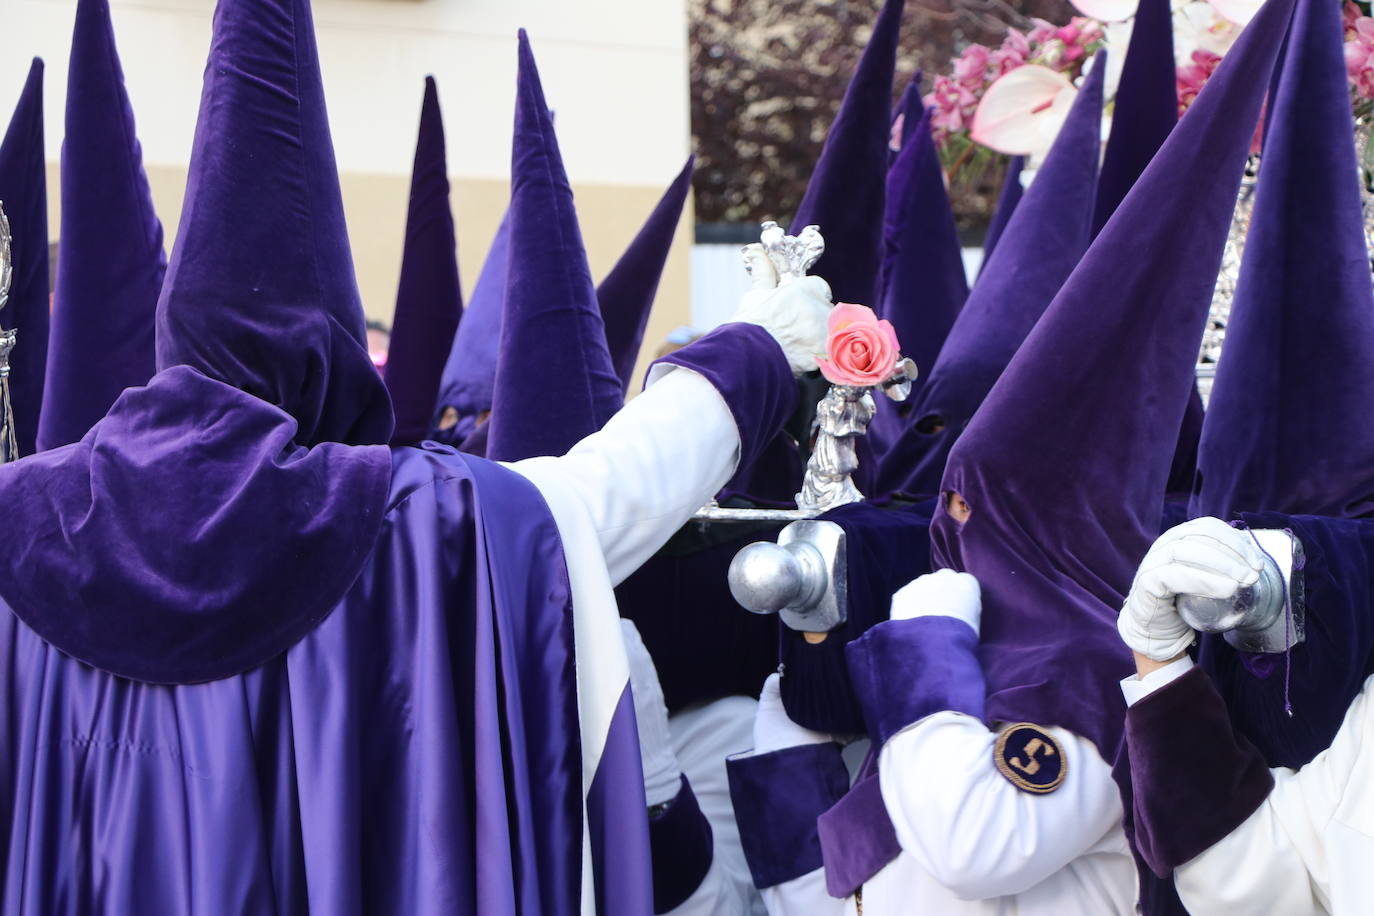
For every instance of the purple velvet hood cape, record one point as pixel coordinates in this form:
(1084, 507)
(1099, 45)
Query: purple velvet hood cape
(1047, 235)
(626, 294)
(429, 300)
(211, 519)
(318, 676)
(24, 192)
(845, 193)
(1288, 429)
(555, 382)
(110, 259)
(470, 370)
(1064, 464)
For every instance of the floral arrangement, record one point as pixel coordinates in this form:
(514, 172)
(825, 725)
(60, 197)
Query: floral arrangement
(1013, 99)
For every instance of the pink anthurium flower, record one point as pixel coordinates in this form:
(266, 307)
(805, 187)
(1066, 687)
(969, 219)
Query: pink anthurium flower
(1106, 10)
(1237, 11)
(1022, 111)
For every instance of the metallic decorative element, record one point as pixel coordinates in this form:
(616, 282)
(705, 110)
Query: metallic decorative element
(9, 444)
(1256, 618)
(792, 255)
(898, 387)
(843, 416)
(714, 512)
(6, 262)
(802, 578)
(1229, 275)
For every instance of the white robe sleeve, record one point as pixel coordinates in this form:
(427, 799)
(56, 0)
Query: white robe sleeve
(703, 737)
(970, 828)
(1280, 859)
(641, 477)
(806, 896)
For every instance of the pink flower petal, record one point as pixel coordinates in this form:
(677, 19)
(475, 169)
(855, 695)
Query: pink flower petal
(1009, 116)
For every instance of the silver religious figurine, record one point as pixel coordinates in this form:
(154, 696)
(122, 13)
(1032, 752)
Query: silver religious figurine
(9, 445)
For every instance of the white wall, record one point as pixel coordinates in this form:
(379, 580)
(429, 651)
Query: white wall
(614, 70)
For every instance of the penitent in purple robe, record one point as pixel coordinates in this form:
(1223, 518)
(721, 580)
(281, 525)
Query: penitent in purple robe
(254, 659)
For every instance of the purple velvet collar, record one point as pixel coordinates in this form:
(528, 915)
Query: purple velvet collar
(187, 537)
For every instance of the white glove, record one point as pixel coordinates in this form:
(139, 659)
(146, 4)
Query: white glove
(943, 593)
(1204, 557)
(662, 774)
(796, 314)
(773, 730)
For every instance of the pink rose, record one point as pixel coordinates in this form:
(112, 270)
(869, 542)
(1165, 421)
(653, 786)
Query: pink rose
(863, 349)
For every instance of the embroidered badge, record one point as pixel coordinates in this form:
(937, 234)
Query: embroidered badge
(1030, 758)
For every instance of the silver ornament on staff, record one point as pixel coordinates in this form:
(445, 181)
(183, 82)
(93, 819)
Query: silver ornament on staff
(841, 416)
(803, 577)
(9, 444)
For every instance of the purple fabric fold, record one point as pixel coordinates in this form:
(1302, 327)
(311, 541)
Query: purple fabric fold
(1007, 200)
(1321, 676)
(761, 399)
(905, 670)
(110, 261)
(626, 294)
(856, 834)
(1194, 778)
(680, 841)
(885, 548)
(551, 318)
(777, 798)
(844, 195)
(260, 292)
(429, 300)
(1146, 107)
(1286, 427)
(416, 752)
(187, 537)
(622, 867)
(470, 370)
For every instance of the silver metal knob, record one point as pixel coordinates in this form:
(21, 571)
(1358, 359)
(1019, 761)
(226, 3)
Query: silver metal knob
(1253, 620)
(801, 577)
(767, 577)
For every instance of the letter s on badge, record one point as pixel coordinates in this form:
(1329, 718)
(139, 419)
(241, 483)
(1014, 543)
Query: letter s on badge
(1030, 758)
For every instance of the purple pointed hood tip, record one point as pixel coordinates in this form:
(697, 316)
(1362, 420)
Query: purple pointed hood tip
(469, 376)
(1146, 107)
(260, 292)
(23, 191)
(1288, 429)
(1064, 466)
(555, 382)
(626, 295)
(110, 256)
(429, 300)
(1007, 200)
(923, 279)
(1043, 243)
(845, 194)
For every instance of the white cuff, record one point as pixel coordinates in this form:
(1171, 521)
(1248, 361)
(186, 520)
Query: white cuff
(1135, 688)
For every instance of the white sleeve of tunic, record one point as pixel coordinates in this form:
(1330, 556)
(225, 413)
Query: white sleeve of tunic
(639, 479)
(806, 896)
(970, 828)
(1296, 853)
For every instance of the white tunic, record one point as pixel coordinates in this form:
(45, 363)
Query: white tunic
(703, 737)
(972, 843)
(1310, 847)
(616, 498)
